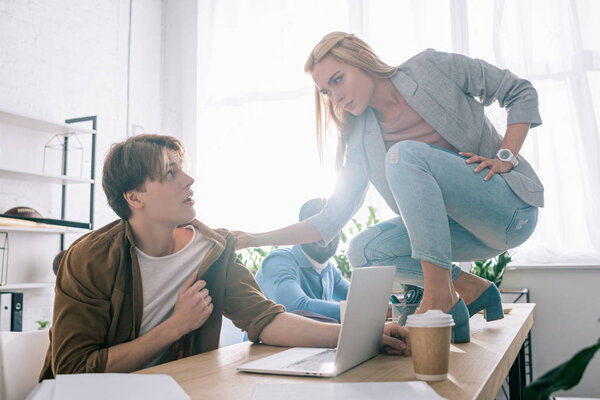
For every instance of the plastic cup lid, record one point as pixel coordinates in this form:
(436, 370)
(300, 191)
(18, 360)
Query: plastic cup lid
(430, 319)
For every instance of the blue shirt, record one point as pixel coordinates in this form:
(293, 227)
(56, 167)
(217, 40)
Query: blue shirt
(287, 277)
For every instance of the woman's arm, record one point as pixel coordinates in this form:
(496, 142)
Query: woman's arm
(489, 83)
(299, 233)
(513, 140)
(515, 137)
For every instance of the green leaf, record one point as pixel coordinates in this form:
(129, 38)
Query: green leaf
(562, 377)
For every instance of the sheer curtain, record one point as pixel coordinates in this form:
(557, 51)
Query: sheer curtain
(256, 154)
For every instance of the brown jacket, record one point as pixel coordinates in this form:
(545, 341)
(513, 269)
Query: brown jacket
(98, 301)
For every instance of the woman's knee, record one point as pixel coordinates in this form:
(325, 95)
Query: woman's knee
(358, 246)
(406, 151)
(379, 243)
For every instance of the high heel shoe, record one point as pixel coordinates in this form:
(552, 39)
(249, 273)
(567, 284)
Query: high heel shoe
(490, 302)
(461, 332)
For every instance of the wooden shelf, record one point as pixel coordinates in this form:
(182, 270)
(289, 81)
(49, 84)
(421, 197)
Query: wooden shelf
(27, 285)
(40, 225)
(36, 124)
(45, 178)
(48, 229)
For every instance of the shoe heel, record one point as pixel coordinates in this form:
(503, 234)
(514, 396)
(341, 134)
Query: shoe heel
(490, 302)
(461, 332)
(493, 312)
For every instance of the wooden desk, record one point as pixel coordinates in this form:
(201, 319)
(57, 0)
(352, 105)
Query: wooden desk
(477, 369)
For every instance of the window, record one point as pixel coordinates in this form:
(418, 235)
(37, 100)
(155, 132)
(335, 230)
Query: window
(256, 152)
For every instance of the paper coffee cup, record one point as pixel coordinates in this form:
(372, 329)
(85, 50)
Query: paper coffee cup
(430, 335)
(342, 310)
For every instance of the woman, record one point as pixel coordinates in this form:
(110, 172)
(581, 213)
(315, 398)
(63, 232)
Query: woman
(416, 132)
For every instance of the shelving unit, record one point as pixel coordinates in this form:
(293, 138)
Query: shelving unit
(27, 285)
(45, 229)
(37, 124)
(47, 178)
(59, 226)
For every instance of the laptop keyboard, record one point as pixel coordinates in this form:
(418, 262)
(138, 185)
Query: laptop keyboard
(320, 362)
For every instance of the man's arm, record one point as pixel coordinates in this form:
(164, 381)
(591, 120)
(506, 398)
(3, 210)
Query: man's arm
(134, 355)
(192, 309)
(247, 307)
(293, 330)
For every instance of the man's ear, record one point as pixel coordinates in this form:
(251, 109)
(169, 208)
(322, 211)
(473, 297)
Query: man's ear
(133, 198)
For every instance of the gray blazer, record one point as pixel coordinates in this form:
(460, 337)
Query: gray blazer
(450, 92)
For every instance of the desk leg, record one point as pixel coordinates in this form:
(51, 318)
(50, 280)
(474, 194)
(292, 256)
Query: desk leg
(516, 376)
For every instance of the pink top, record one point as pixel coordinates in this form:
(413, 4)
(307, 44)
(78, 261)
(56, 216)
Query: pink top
(410, 126)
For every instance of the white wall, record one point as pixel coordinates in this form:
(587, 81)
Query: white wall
(62, 59)
(567, 317)
(179, 95)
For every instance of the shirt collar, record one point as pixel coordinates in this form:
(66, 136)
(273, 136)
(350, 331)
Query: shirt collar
(316, 266)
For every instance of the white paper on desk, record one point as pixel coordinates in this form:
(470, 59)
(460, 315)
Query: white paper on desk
(117, 386)
(43, 391)
(346, 391)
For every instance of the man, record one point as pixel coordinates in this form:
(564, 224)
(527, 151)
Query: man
(302, 278)
(152, 286)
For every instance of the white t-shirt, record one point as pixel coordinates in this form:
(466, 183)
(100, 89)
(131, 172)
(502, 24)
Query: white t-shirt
(163, 277)
(317, 266)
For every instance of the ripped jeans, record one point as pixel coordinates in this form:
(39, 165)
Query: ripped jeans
(449, 213)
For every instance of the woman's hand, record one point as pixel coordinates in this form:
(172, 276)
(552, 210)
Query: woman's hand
(244, 239)
(494, 164)
(395, 339)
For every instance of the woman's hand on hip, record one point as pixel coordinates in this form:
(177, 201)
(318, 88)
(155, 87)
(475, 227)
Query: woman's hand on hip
(495, 165)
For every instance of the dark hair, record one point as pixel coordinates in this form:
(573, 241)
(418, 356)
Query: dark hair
(311, 207)
(129, 163)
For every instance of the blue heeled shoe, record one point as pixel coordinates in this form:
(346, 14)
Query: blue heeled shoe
(490, 302)
(461, 331)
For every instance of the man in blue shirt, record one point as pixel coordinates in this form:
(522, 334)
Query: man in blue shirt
(302, 278)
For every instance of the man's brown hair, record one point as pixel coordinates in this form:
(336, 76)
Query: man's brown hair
(129, 163)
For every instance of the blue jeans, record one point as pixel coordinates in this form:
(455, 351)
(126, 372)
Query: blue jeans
(448, 213)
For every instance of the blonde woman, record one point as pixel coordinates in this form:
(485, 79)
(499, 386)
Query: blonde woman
(419, 134)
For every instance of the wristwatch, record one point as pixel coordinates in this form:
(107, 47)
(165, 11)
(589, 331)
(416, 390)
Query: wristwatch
(507, 155)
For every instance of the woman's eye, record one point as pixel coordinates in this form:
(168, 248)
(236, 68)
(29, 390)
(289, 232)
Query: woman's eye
(325, 92)
(337, 80)
(171, 173)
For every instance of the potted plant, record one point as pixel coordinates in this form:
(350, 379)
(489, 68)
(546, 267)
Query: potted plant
(563, 377)
(353, 229)
(492, 269)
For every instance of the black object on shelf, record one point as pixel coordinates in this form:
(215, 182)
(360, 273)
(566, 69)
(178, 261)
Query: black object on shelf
(16, 310)
(3, 258)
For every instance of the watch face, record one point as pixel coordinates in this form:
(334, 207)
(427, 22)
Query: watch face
(504, 155)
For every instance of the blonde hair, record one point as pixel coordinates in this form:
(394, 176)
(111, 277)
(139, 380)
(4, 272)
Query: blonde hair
(349, 49)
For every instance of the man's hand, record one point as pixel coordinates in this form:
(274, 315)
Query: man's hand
(494, 164)
(395, 339)
(193, 306)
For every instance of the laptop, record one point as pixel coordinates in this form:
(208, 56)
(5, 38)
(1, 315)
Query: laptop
(360, 334)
